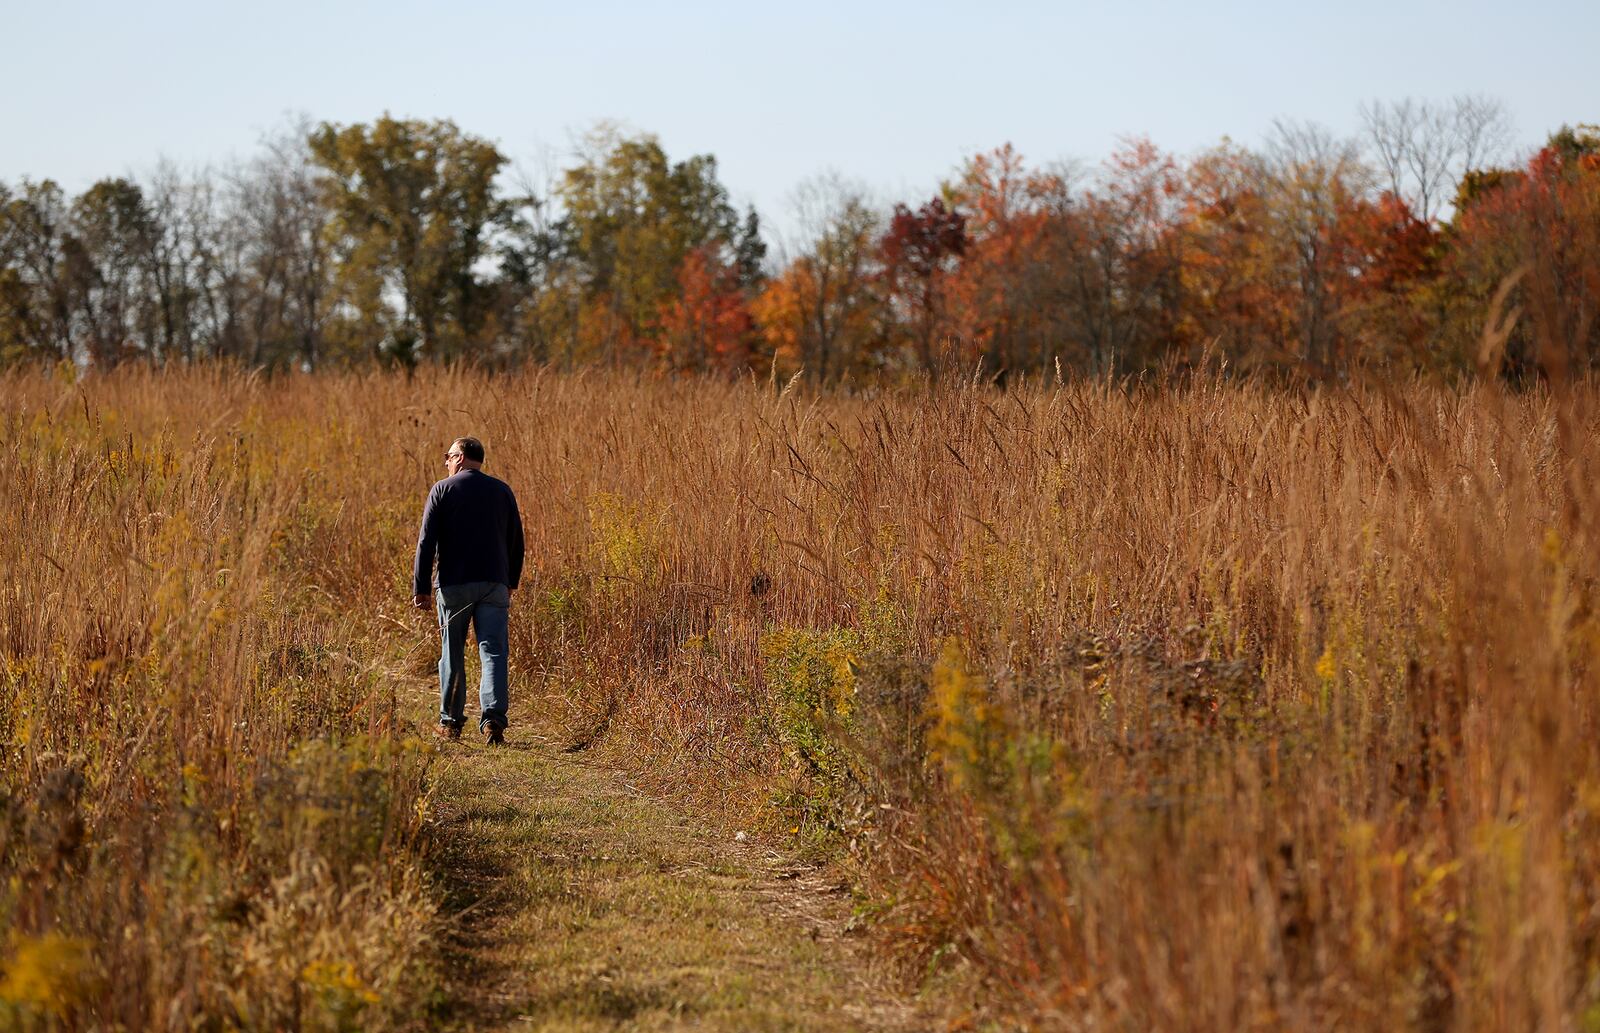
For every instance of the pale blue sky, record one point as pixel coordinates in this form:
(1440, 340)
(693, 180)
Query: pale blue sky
(892, 94)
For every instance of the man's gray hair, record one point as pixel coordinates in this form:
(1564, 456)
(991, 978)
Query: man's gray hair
(471, 448)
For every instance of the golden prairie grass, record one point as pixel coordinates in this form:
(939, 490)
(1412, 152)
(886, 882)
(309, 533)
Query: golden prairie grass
(1206, 706)
(206, 815)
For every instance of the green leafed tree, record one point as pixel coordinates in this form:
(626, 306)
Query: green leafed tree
(107, 267)
(35, 307)
(413, 205)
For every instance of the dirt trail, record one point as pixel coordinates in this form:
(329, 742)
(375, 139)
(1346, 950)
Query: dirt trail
(581, 904)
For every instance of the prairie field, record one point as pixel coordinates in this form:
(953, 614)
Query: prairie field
(1206, 705)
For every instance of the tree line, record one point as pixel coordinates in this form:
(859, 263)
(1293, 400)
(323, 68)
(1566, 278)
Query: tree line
(1415, 247)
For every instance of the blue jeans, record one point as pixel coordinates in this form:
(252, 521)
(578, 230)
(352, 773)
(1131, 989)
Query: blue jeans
(487, 606)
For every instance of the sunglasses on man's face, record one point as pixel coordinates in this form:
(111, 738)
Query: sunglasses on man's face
(452, 455)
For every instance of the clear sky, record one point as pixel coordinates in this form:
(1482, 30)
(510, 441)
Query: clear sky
(892, 94)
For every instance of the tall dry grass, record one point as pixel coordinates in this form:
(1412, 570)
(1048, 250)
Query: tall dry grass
(206, 817)
(1207, 706)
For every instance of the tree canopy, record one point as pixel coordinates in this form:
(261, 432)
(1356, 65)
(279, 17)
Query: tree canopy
(1415, 248)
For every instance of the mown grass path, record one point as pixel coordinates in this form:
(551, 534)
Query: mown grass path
(580, 904)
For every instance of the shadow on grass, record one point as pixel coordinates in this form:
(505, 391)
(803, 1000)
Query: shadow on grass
(477, 878)
(607, 997)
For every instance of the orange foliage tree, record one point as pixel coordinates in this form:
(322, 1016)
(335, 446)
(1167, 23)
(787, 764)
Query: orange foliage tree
(824, 311)
(994, 294)
(1289, 259)
(706, 325)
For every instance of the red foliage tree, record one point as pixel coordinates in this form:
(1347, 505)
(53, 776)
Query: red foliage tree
(1535, 232)
(917, 251)
(706, 325)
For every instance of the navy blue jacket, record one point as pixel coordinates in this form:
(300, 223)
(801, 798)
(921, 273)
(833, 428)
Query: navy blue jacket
(471, 520)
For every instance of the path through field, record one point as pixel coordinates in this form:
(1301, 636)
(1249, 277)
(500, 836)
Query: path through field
(585, 905)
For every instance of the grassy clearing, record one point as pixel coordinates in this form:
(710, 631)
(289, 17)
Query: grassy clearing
(585, 905)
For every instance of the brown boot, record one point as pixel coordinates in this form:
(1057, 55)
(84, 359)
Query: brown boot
(494, 735)
(449, 733)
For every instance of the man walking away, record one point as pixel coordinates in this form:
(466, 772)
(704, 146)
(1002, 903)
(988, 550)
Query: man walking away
(471, 522)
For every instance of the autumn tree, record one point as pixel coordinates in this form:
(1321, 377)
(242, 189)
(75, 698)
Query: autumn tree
(538, 288)
(1002, 293)
(1229, 297)
(1525, 260)
(918, 252)
(631, 219)
(705, 325)
(1312, 183)
(169, 259)
(823, 312)
(1116, 254)
(194, 286)
(400, 239)
(1387, 317)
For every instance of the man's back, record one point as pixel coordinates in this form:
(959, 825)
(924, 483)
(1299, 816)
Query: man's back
(471, 520)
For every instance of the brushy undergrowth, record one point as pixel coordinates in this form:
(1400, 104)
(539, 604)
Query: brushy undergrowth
(1203, 706)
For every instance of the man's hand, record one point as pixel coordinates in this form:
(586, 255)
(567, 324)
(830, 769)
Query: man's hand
(422, 602)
